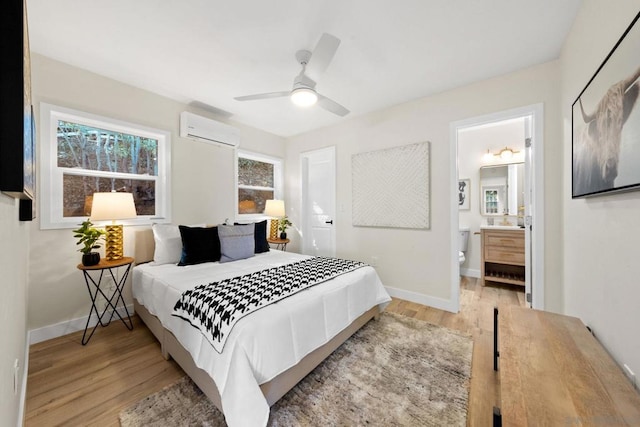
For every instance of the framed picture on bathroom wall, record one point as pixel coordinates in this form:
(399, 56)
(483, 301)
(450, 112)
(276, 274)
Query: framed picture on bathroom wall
(606, 123)
(464, 186)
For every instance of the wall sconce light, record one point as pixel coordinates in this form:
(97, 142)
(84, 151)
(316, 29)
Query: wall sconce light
(505, 154)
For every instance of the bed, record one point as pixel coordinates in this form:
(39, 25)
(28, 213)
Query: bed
(268, 351)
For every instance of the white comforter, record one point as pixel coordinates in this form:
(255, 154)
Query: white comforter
(267, 342)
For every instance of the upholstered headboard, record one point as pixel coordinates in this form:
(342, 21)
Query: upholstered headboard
(144, 245)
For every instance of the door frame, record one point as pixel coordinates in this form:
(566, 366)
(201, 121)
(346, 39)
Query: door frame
(536, 111)
(304, 217)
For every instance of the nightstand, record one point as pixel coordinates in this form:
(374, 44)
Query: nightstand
(281, 244)
(115, 293)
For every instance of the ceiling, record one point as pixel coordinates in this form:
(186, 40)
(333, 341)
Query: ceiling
(208, 52)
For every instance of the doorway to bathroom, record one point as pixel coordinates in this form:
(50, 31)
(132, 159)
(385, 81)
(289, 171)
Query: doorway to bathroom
(497, 176)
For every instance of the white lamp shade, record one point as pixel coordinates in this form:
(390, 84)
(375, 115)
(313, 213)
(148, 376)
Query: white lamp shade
(304, 97)
(274, 208)
(112, 206)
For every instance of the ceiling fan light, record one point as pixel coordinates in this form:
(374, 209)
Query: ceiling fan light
(304, 97)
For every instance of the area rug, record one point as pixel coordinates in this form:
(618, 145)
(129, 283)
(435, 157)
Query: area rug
(396, 371)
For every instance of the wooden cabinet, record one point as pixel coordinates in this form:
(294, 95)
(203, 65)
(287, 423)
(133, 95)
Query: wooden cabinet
(503, 256)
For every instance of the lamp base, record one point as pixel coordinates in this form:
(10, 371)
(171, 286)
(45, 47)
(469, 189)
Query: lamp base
(113, 246)
(273, 229)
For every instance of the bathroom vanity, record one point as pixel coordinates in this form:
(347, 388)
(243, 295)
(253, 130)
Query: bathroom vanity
(503, 255)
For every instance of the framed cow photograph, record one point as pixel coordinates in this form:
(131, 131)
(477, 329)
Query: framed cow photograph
(606, 123)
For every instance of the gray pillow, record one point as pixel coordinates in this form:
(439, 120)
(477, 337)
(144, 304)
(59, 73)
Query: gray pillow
(236, 242)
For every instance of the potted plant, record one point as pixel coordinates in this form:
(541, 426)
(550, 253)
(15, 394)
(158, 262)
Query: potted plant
(282, 226)
(88, 236)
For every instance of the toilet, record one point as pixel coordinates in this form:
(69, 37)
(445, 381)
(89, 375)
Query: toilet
(463, 242)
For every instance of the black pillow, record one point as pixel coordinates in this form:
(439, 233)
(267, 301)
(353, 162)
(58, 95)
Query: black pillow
(260, 236)
(199, 244)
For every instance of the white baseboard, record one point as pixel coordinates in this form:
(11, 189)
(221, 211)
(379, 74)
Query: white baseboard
(435, 302)
(69, 326)
(470, 272)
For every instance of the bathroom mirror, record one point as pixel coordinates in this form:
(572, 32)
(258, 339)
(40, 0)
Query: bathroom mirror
(501, 189)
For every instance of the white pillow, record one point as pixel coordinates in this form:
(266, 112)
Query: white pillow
(168, 243)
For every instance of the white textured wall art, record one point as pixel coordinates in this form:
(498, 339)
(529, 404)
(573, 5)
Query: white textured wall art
(391, 187)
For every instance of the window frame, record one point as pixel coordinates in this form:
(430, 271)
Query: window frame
(51, 175)
(278, 181)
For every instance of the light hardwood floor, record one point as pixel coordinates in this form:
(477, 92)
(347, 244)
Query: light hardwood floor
(70, 384)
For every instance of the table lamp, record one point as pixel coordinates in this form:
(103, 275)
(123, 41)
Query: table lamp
(111, 207)
(274, 209)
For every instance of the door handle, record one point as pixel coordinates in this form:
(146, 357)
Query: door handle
(329, 222)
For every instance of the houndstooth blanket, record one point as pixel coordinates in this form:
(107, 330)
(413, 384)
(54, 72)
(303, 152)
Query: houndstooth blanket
(216, 307)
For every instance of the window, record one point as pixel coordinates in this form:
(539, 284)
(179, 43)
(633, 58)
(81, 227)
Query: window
(84, 153)
(259, 179)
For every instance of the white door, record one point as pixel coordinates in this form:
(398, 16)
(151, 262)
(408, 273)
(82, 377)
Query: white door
(319, 202)
(528, 188)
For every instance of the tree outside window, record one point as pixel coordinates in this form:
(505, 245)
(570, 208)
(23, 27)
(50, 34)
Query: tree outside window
(259, 179)
(85, 153)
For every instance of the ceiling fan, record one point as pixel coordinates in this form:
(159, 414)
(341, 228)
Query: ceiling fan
(313, 65)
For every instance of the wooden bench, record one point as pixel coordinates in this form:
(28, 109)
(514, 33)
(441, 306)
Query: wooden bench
(554, 372)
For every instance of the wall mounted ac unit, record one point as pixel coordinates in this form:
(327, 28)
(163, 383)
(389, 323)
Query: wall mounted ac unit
(207, 130)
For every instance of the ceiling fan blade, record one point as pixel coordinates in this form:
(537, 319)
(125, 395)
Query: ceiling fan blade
(332, 106)
(262, 96)
(322, 56)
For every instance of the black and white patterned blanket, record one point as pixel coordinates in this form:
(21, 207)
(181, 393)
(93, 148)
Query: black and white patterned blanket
(215, 308)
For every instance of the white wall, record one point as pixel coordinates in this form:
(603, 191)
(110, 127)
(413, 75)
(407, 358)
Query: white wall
(14, 236)
(473, 143)
(419, 261)
(601, 234)
(202, 178)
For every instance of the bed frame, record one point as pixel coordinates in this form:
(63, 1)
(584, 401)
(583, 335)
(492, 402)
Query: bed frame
(272, 390)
